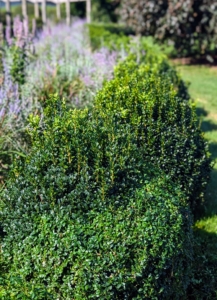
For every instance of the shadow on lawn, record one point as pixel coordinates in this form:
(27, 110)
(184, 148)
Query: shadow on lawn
(204, 280)
(211, 192)
(211, 196)
(208, 125)
(201, 112)
(213, 150)
(205, 125)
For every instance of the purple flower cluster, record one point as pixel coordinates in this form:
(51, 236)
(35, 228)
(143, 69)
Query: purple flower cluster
(10, 103)
(65, 64)
(14, 107)
(21, 35)
(13, 114)
(65, 56)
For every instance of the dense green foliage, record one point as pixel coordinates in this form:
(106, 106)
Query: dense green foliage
(165, 125)
(204, 268)
(99, 208)
(119, 37)
(189, 25)
(92, 221)
(104, 10)
(184, 156)
(31, 69)
(112, 37)
(137, 251)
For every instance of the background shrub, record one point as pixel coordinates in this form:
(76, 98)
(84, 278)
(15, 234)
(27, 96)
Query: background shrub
(189, 25)
(86, 216)
(112, 37)
(117, 36)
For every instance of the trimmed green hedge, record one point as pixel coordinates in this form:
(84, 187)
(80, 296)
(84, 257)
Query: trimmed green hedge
(99, 208)
(146, 50)
(86, 217)
(165, 126)
(139, 251)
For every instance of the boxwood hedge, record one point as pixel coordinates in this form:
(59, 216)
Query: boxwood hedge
(99, 207)
(86, 217)
(165, 125)
(145, 49)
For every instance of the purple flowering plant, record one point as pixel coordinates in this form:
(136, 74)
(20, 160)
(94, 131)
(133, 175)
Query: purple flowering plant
(66, 65)
(13, 113)
(63, 63)
(18, 49)
(14, 107)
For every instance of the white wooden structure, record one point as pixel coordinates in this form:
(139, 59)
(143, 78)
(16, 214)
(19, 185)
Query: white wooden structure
(43, 7)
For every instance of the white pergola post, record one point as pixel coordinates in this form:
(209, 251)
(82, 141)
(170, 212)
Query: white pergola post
(8, 10)
(24, 9)
(44, 15)
(88, 10)
(43, 7)
(7, 6)
(8, 23)
(36, 9)
(68, 16)
(58, 11)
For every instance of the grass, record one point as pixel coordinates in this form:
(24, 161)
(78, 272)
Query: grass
(203, 89)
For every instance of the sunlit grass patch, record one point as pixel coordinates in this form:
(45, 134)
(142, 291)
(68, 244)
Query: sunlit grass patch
(203, 89)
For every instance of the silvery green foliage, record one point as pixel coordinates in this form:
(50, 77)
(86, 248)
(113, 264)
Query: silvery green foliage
(66, 65)
(14, 106)
(59, 61)
(14, 111)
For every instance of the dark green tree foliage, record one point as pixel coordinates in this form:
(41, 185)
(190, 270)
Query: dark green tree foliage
(86, 216)
(190, 25)
(104, 10)
(142, 15)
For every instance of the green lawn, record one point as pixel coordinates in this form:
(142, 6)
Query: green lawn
(203, 89)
